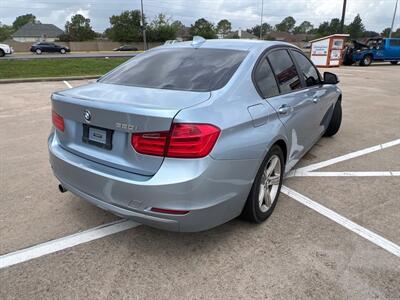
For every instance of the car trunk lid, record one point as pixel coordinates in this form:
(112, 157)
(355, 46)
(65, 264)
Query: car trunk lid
(100, 118)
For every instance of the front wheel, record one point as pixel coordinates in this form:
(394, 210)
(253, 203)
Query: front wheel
(266, 187)
(336, 120)
(366, 61)
(394, 62)
(62, 51)
(2, 53)
(38, 51)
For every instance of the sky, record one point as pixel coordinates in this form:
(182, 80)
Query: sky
(376, 14)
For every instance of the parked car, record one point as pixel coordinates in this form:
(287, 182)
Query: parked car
(198, 142)
(41, 47)
(5, 49)
(375, 49)
(126, 48)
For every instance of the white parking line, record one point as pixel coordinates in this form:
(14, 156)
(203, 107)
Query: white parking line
(354, 227)
(346, 157)
(39, 250)
(68, 84)
(344, 174)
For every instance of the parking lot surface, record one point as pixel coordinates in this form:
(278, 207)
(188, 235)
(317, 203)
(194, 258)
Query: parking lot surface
(299, 252)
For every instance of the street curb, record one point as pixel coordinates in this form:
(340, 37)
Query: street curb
(42, 79)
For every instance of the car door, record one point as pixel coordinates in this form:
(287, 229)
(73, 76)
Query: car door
(293, 107)
(322, 100)
(393, 49)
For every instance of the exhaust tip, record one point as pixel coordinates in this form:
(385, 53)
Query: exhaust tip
(62, 189)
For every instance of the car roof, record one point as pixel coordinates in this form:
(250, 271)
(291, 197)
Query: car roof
(234, 44)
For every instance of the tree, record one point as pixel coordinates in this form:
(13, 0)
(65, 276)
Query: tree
(266, 28)
(223, 27)
(304, 27)
(24, 19)
(356, 28)
(203, 28)
(5, 32)
(161, 29)
(286, 25)
(328, 28)
(78, 29)
(125, 27)
(385, 32)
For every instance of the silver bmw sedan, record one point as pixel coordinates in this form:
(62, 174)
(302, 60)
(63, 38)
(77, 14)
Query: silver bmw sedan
(188, 136)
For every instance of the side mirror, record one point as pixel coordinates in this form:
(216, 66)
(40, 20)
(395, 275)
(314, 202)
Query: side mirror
(330, 78)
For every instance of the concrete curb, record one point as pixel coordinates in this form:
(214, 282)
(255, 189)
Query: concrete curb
(41, 79)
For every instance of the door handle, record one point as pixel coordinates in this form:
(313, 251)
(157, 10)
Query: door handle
(284, 109)
(315, 100)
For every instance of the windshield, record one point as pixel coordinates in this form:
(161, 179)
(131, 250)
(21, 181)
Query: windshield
(188, 69)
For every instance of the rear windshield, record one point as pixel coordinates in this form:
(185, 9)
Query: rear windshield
(188, 69)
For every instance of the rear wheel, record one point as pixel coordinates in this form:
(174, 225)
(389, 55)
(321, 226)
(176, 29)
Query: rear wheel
(336, 120)
(394, 62)
(38, 51)
(266, 187)
(366, 61)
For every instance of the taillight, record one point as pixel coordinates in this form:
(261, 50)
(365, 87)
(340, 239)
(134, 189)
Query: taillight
(150, 143)
(183, 141)
(58, 121)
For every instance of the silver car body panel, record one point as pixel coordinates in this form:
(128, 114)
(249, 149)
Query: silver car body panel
(213, 189)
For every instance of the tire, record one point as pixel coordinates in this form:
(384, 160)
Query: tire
(2, 53)
(394, 62)
(336, 120)
(366, 61)
(62, 51)
(38, 51)
(254, 210)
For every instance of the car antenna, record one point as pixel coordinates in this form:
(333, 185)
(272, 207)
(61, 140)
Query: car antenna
(198, 41)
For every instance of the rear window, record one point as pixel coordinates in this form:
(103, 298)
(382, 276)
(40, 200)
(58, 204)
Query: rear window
(188, 69)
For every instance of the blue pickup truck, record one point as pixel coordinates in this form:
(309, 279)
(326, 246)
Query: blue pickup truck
(375, 49)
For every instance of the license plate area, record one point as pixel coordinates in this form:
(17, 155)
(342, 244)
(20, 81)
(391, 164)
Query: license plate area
(97, 136)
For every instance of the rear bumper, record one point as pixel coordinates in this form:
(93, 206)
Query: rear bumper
(213, 191)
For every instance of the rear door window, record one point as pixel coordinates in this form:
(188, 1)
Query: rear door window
(285, 71)
(188, 69)
(265, 79)
(307, 70)
(395, 43)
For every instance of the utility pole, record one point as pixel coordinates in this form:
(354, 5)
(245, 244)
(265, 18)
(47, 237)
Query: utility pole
(394, 16)
(262, 12)
(343, 16)
(143, 26)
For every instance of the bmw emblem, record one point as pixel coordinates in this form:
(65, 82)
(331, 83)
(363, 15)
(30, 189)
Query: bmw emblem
(87, 115)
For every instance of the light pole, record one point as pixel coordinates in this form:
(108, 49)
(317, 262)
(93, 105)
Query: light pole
(143, 26)
(394, 16)
(343, 16)
(262, 12)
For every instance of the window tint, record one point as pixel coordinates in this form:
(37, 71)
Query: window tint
(186, 69)
(265, 79)
(285, 71)
(395, 43)
(307, 70)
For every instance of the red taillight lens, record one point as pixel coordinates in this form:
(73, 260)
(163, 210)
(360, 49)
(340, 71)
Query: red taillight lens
(150, 143)
(58, 121)
(183, 141)
(192, 140)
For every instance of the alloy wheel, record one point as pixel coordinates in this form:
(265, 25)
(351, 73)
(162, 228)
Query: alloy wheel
(269, 184)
